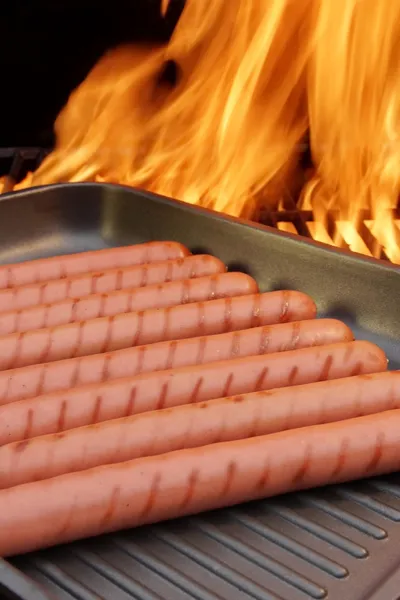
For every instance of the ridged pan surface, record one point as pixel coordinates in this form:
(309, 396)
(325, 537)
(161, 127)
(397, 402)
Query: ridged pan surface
(338, 543)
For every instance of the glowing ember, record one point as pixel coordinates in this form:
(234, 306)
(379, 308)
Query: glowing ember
(253, 76)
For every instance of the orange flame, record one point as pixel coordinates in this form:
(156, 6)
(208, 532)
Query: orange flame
(253, 76)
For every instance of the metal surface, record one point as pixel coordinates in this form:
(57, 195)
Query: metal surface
(338, 543)
(16, 162)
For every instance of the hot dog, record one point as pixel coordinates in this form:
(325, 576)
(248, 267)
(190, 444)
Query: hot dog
(101, 282)
(194, 425)
(27, 382)
(144, 327)
(102, 305)
(146, 490)
(58, 267)
(53, 413)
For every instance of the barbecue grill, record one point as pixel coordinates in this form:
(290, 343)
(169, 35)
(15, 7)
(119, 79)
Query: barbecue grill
(339, 542)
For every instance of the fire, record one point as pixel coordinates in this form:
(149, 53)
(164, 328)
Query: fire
(218, 116)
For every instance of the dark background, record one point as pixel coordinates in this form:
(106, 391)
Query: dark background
(47, 47)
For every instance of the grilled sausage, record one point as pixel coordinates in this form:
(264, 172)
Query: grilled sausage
(59, 267)
(194, 425)
(146, 490)
(106, 305)
(27, 382)
(101, 282)
(145, 327)
(53, 413)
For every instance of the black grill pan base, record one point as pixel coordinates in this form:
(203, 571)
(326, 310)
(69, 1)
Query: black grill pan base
(338, 543)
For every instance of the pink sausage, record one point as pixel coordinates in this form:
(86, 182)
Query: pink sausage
(95, 403)
(59, 267)
(146, 490)
(146, 327)
(96, 282)
(196, 425)
(26, 382)
(106, 305)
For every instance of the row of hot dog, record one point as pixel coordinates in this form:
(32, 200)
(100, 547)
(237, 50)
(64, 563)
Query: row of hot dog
(142, 383)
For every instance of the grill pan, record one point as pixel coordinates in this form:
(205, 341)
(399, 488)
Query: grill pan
(334, 543)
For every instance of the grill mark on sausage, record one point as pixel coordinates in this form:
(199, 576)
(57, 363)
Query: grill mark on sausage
(29, 424)
(213, 293)
(190, 489)
(49, 342)
(294, 371)
(169, 273)
(284, 312)
(151, 498)
(263, 480)
(326, 367)
(258, 386)
(200, 353)
(341, 459)
(163, 396)
(8, 387)
(96, 409)
(74, 305)
(144, 272)
(228, 383)
(171, 354)
(254, 422)
(230, 474)
(112, 505)
(42, 291)
(68, 517)
(295, 336)
(195, 394)
(105, 371)
(256, 311)
(9, 278)
(228, 314)
(378, 452)
(185, 291)
(41, 380)
(119, 280)
(93, 283)
(146, 252)
(17, 352)
(139, 327)
(130, 405)
(235, 345)
(16, 326)
(290, 412)
(265, 338)
(301, 472)
(76, 373)
(357, 369)
(81, 325)
(62, 416)
(68, 285)
(63, 270)
(141, 356)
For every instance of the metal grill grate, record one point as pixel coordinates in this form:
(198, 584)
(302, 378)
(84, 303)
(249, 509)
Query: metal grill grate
(15, 163)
